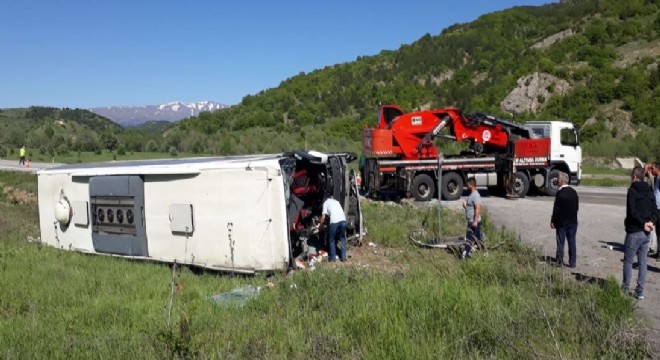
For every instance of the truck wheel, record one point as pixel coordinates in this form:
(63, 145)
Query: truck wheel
(452, 186)
(551, 187)
(423, 187)
(520, 184)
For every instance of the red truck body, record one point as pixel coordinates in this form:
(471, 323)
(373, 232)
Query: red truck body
(401, 155)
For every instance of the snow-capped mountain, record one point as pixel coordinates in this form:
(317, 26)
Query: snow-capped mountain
(128, 116)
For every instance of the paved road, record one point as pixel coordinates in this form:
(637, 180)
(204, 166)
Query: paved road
(34, 166)
(600, 237)
(587, 194)
(601, 195)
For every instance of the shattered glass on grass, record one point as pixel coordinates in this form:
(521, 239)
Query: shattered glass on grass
(236, 297)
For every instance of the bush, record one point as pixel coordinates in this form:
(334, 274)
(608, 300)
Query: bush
(198, 147)
(62, 149)
(151, 146)
(173, 151)
(121, 150)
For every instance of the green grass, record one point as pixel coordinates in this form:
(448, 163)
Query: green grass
(605, 177)
(604, 171)
(605, 182)
(59, 304)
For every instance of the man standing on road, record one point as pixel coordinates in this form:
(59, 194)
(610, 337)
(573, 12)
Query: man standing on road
(641, 215)
(565, 220)
(333, 210)
(472, 208)
(21, 153)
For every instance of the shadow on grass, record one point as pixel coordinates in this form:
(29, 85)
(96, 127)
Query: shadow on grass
(592, 280)
(550, 260)
(196, 270)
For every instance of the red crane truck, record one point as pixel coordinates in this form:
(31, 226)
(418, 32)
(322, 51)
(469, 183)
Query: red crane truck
(400, 155)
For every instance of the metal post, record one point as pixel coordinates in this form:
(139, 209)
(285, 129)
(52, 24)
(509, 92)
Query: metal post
(440, 160)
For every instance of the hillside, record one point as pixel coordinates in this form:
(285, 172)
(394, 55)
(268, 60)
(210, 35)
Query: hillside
(592, 62)
(49, 130)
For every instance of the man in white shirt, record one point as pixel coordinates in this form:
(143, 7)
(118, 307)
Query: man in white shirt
(333, 210)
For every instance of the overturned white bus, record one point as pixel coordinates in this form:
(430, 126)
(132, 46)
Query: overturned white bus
(240, 214)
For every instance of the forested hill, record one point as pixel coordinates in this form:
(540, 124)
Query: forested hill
(48, 127)
(50, 130)
(592, 62)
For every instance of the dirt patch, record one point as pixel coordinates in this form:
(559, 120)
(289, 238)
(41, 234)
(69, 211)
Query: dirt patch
(18, 196)
(375, 258)
(634, 52)
(370, 258)
(554, 38)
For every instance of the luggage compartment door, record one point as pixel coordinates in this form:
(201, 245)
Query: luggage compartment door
(117, 212)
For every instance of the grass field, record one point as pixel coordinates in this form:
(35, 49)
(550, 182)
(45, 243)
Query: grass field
(391, 301)
(605, 182)
(604, 171)
(605, 177)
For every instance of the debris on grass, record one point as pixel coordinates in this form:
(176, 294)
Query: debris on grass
(237, 297)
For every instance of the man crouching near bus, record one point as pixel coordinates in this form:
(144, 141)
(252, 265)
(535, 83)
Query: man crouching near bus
(333, 210)
(472, 208)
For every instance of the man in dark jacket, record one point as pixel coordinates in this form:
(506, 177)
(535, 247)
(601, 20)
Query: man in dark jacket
(564, 219)
(656, 193)
(641, 215)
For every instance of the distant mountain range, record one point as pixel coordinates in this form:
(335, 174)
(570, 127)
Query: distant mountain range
(130, 116)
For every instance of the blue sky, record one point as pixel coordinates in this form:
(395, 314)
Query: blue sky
(88, 53)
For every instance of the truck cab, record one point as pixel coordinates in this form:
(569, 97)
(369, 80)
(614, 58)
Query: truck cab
(565, 150)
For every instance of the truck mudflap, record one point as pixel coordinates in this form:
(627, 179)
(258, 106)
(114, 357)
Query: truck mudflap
(574, 179)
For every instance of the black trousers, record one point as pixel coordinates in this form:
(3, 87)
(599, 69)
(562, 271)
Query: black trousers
(657, 226)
